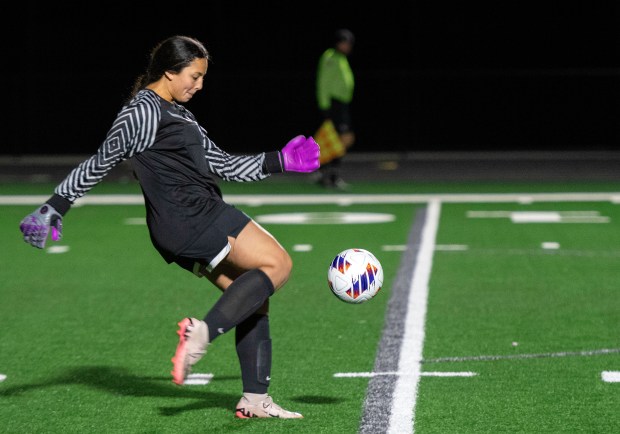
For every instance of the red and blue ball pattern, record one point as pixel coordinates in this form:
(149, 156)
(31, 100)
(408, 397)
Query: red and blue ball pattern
(355, 275)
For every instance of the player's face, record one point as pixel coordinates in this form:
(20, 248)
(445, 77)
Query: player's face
(188, 81)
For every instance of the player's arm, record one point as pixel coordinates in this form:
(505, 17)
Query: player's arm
(300, 154)
(121, 142)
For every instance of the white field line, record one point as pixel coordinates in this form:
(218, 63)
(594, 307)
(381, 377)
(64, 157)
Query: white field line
(487, 358)
(610, 376)
(341, 199)
(404, 374)
(543, 216)
(198, 379)
(403, 404)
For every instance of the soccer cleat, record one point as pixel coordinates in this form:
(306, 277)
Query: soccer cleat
(340, 184)
(333, 181)
(264, 408)
(193, 341)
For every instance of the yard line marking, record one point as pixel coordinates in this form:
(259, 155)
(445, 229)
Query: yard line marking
(135, 221)
(2, 377)
(325, 218)
(547, 252)
(198, 379)
(302, 247)
(556, 217)
(394, 248)
(57, 249)
(611, 376)
(404, 374)
(543, 216)
(448, 374)
(451, 247)
(523, 356)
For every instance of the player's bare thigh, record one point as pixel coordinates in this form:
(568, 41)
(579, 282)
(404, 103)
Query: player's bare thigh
(253, 248)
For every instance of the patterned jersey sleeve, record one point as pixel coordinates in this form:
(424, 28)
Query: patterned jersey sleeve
(132, 132)
(239, 168)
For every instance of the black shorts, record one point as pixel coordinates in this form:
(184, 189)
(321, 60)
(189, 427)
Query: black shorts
(212, 245)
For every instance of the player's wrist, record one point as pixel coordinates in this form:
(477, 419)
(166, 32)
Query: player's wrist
(273, 162)
(59, 203)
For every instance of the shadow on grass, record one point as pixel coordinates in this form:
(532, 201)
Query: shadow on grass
(119, 381)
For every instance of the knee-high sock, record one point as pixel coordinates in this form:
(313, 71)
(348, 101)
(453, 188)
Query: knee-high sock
(240, 300)
(254, 351)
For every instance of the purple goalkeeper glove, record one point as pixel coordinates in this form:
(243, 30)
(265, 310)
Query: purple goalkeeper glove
(36, 226)
(301, 154)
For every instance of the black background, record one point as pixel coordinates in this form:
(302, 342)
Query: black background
(430, 76)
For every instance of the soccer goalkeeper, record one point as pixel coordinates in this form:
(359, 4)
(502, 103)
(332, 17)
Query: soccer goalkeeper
(188, 221)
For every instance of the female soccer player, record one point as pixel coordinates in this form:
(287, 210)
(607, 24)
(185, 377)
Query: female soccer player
(189, 223)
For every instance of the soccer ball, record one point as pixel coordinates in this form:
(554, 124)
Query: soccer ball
(355, 276)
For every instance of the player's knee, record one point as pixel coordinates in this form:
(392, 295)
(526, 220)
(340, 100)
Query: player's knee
(278, 267)
(285, 266)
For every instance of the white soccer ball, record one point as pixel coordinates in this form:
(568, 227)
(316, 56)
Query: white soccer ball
(355, 275)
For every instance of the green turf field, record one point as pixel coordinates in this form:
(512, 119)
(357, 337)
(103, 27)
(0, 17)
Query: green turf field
(518, 324)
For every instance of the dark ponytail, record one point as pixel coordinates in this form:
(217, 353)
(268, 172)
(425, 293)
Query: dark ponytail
(172, 54)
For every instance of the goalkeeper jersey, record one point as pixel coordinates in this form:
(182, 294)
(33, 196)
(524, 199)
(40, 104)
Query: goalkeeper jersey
(175, 163)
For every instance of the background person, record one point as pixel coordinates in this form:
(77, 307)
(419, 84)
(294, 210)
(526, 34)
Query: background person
(335, 85)
(189, 223)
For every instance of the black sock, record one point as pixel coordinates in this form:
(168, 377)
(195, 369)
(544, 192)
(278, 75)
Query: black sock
(240, 300)
(254, 351)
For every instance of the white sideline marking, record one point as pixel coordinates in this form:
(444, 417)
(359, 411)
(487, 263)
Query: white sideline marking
(404, 374)
(198, 379)
(402, 415)
(339, 199)
(550, 245)
(2, 378)
(611, 376)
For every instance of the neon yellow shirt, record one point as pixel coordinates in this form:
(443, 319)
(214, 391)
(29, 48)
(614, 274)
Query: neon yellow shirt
(334, 79)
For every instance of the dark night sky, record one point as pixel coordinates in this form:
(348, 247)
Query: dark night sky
(430, 76)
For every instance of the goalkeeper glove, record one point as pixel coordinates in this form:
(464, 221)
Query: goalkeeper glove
(37, 225)
(301, 154)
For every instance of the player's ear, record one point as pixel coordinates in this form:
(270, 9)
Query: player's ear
(168, 75)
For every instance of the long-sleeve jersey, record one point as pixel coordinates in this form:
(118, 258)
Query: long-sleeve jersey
(175, 163)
